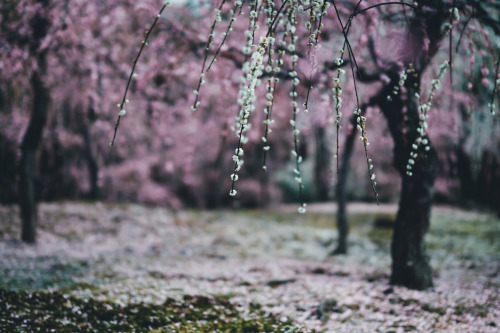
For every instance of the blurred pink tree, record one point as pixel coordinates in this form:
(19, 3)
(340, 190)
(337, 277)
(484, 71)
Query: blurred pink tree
(167, 155)
(86, 50)
(397, 66)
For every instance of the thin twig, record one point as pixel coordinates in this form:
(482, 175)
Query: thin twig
(132, 73)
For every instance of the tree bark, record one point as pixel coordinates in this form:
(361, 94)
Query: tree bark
(29, 146)
(410, 263)
(213, 196)
(33, 135)
(91, 158)
(322, 166)
(342, 223)
(27, 202)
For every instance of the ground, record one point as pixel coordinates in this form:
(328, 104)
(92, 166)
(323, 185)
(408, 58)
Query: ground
(100, 267)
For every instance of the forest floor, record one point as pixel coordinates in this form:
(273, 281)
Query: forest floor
(101, 267)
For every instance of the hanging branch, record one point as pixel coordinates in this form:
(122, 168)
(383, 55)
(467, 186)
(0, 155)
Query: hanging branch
(133, 74)
(338, 90)
(271, 26)
(247, 107)
(237, 4)
(201, 81)
(270, 90)
(314, 41)
(454, 16)
(496, 81)
(382, 4)
(361, 120)
(293, 121)
(469, 19)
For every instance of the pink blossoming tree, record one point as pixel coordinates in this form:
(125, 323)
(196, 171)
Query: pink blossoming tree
(402, 96)
(268, 80)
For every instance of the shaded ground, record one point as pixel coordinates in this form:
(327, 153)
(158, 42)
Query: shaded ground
(117, 267)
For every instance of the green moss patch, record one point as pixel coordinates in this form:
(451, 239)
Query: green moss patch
(44, 312)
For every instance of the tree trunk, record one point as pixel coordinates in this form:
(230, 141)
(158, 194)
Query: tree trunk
(91, 161)
(213, 195)
(342, 223)
(29, 146)
(468, 189)
(32, 137)
(410, 264)
(322, 166)
(27, 202)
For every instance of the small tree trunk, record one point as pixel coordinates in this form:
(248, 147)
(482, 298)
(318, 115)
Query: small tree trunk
(91, 162)
(322, 166)
(342, 224)
(464, 172)
(213, 197)
(27, 202)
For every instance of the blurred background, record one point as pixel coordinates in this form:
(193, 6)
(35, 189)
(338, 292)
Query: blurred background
(167, 155)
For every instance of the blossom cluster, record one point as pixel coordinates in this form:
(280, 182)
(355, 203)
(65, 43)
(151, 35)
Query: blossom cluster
(496, 80)
(403, 76)
(337, 91)
(253, 71)
(317, 10)
(361, 126)
(422, 140)
(263, 58)
(454, 17)
(273, 68)
(211, 36)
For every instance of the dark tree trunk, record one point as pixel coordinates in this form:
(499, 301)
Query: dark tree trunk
(213, 196)
(342, 223)
(410, 264)
(488, 180)
(322, 166)
(29, 146)
(27, 201)
(464, 173)
(91, 160)
(8, 171)
(33, 135)
(92, 165)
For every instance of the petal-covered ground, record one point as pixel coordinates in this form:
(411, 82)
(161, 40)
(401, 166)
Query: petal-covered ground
(265, 270)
